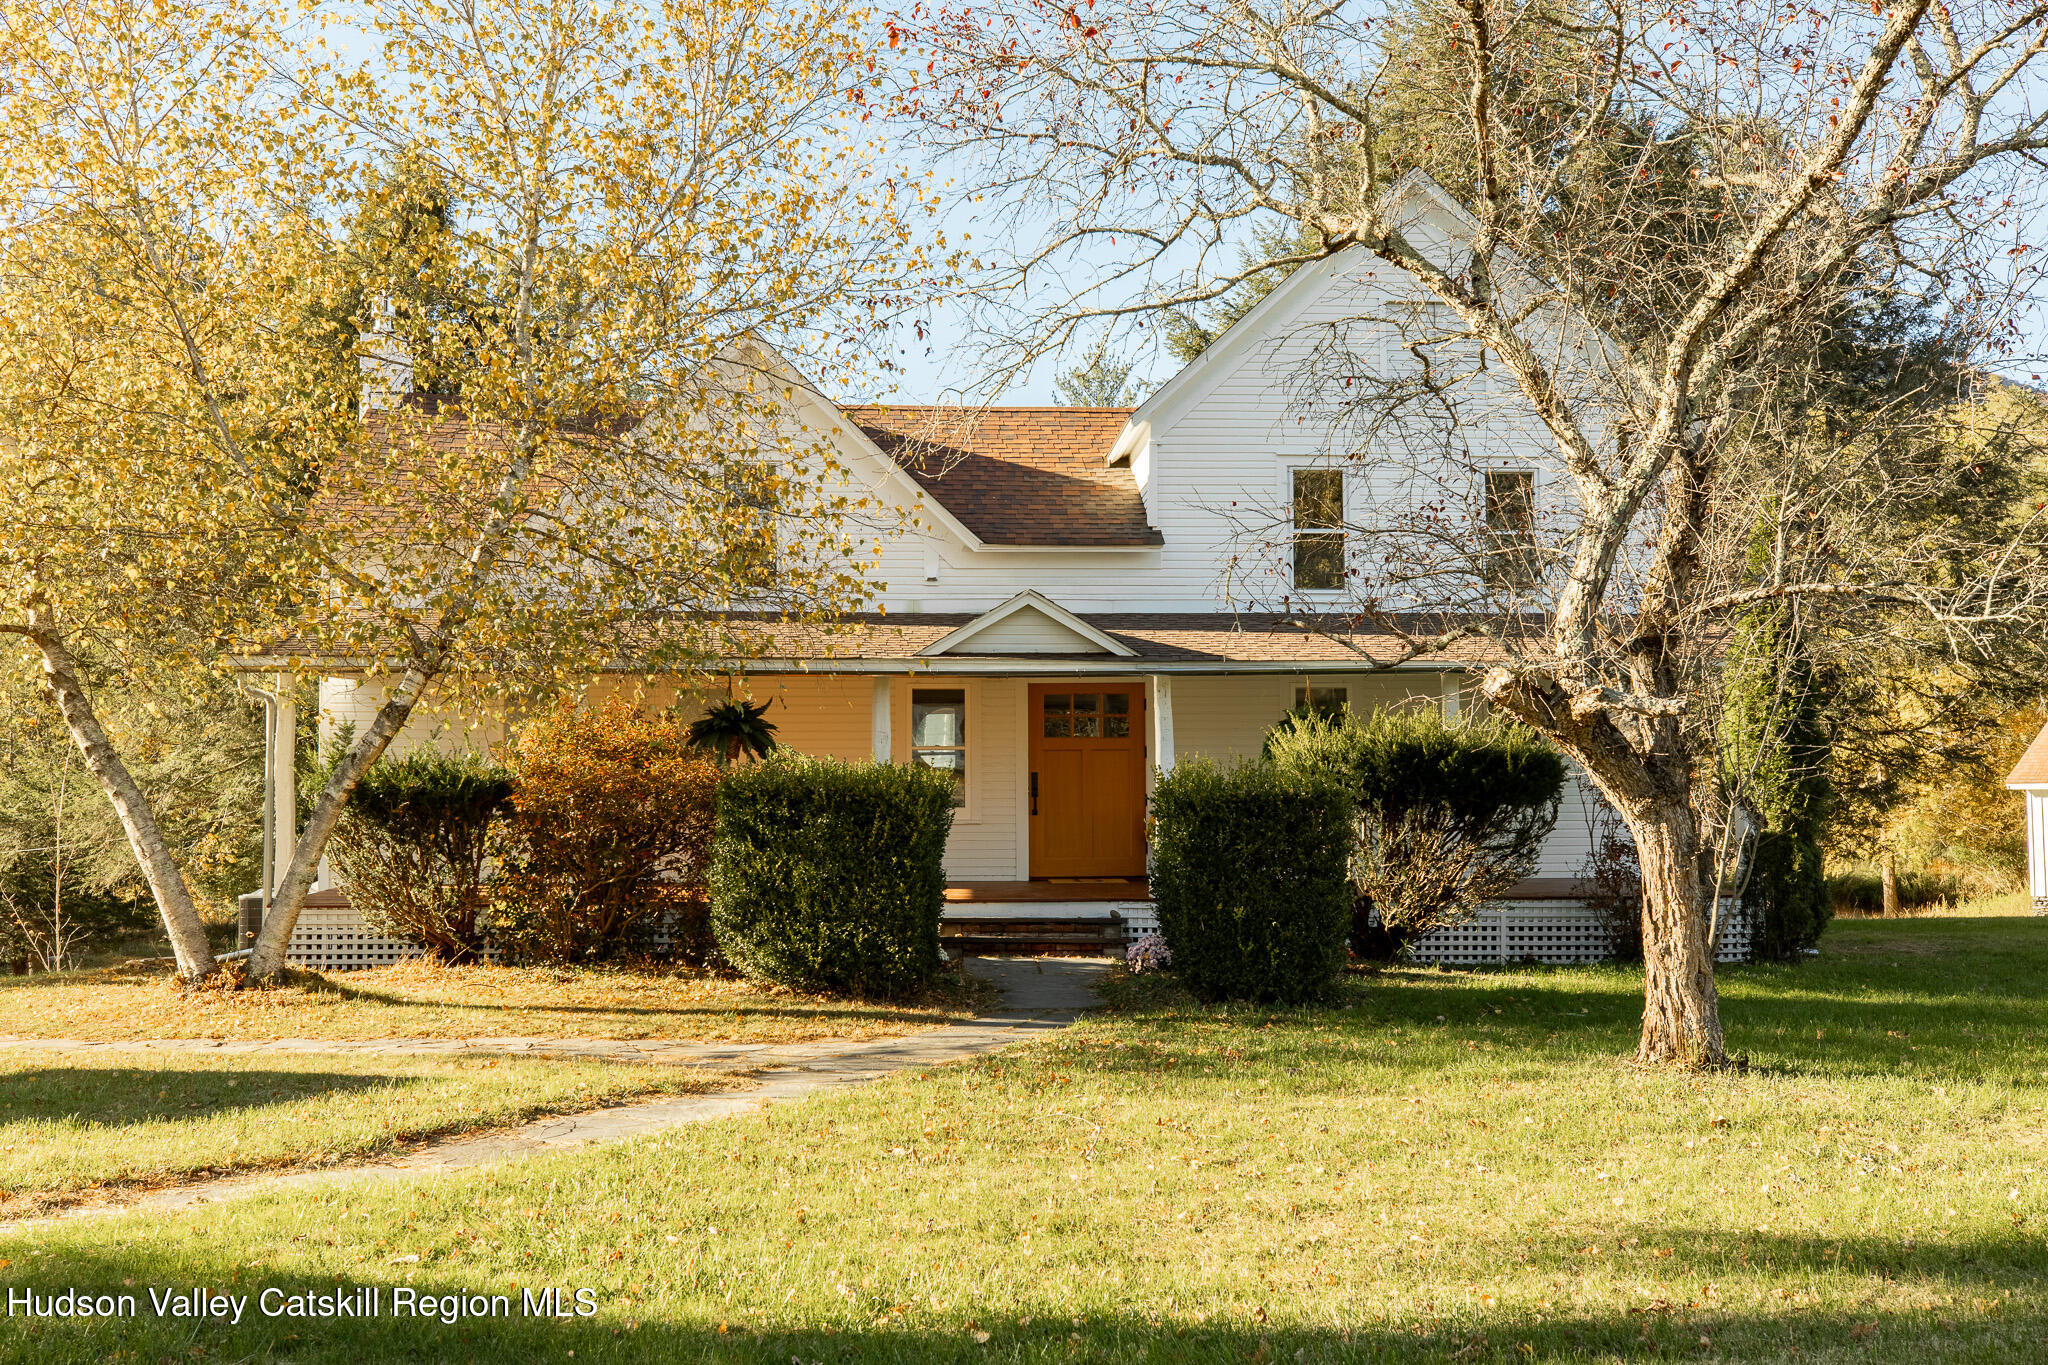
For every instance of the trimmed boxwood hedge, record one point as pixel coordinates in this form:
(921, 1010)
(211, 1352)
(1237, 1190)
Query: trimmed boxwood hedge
(829, 876)
(1249, 869)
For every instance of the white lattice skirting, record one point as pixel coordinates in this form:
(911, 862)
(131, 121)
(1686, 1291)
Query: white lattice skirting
(1556, 932)
(335, 939)
(1559, 932)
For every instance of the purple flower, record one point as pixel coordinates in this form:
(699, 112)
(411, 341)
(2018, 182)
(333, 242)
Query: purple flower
(1148, 953)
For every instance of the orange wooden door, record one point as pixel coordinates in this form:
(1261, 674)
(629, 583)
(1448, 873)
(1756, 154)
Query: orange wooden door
(1087, 779)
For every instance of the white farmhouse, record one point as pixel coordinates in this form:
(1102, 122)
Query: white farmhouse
(1076, 608)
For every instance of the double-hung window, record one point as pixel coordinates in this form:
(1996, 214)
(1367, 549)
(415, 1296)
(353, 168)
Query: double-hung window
(938, 733)
(1325, 701)
(1318, 515)
(1510, 541)
(752, 534)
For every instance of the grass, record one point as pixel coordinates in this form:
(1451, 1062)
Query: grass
(1999, 906)
(421, 999)
(70, 1126)
(1439, 1166)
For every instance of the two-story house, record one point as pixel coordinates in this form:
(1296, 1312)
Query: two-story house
(1078, 607)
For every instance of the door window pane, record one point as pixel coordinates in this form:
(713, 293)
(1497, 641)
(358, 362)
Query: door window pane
(938, 734)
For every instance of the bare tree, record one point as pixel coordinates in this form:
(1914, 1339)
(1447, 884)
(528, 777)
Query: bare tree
(1623, 230)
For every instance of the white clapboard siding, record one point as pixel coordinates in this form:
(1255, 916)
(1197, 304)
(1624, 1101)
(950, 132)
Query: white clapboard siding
(2037, 847)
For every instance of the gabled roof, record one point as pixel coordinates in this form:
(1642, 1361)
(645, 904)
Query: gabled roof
(1028, 624)
(1229, 351)
(2032, 770)
(1018, 476)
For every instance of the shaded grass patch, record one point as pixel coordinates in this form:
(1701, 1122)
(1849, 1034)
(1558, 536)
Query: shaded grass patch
(423, 999)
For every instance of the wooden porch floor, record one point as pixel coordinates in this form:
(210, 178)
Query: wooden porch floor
(1051, 889)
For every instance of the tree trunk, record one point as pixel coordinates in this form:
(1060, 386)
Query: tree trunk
(1888, 868)
(266, 958)
(65, 687)
(1681, 1008)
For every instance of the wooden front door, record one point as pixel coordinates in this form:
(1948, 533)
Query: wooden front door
(1087, 779)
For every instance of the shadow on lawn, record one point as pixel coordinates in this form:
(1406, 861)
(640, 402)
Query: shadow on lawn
(1876, 1005)
(116, 1095)
(1971, 1301)
(877, 1011)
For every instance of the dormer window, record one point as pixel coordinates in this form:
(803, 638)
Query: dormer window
(1318, 530)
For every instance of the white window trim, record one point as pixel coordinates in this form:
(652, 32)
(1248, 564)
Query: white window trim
(969, 812)
(1287, 472)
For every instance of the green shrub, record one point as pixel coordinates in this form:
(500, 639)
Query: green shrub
(1775, 755)
(828, 875)
(1450, 816)
(411, 847)
(606, 843)
(1248, 869)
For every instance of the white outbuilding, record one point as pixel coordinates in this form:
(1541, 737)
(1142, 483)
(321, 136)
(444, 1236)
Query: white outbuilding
(2031, 777)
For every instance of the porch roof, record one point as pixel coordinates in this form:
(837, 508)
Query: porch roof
(1156, 641)
(902, 642)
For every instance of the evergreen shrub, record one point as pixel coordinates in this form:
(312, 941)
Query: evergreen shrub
(1450, 815)
(830, 876)
(412, 844)
(1249, 873)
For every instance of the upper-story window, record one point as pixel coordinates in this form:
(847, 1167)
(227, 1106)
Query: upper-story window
(1510, 547)
(1318, 529)
(752, 533)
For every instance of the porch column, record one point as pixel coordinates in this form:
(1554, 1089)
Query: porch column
(883, 741)
(284, 780)
(1159, 712)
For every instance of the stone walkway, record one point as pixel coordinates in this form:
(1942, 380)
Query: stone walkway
(1037, 994)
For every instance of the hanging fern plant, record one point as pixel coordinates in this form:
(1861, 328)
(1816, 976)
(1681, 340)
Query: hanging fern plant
(729, 729)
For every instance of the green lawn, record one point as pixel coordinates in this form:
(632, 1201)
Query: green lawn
(71, 1123)
(1445, 1166)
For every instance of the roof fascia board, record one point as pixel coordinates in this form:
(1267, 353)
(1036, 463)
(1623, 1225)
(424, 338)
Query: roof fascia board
(1066, 665)
(1167, 406)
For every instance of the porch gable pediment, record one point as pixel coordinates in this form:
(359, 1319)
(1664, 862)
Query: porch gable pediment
(1028, 623)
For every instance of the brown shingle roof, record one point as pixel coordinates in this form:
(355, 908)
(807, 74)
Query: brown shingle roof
(1018, 476)
(1154, 637)
(1219, 638)
(2033, 765)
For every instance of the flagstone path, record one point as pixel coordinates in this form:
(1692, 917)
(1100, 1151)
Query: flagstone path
(1038, 994)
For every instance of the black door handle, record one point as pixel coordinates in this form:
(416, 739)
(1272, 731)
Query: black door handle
(1034, 793)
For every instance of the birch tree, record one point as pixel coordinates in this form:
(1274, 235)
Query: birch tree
(635, 203)
(1662, 214)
